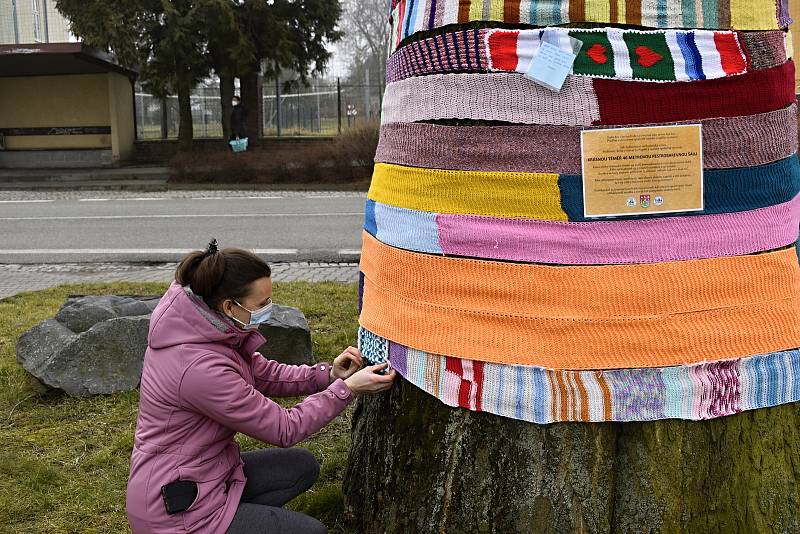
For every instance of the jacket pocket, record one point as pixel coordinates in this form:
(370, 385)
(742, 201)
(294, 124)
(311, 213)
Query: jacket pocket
(212, 493)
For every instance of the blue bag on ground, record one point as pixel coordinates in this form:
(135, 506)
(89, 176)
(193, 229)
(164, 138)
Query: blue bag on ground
(239, 145)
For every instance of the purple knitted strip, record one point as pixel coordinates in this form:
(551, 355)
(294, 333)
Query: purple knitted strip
(784, 19)
(727, 143)
(462, 50)
(764, 49)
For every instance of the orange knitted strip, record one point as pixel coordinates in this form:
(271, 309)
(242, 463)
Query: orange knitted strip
(583, 317)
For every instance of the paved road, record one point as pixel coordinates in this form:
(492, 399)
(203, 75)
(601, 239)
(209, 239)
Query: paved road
(161, 227)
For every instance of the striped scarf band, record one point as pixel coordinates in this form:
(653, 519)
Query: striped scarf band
(584, 317)
(539, 395)
(411, 16)
(560, 197)
(594, 243)
(758, 139)
(659, 55)
(511, 97)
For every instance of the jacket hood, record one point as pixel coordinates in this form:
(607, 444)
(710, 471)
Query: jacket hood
(182, 317)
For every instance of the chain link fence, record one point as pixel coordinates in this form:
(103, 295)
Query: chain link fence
(317, 109)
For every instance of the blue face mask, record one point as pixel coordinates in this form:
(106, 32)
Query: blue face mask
(257, 317)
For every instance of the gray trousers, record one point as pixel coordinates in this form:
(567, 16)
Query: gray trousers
(274, 477)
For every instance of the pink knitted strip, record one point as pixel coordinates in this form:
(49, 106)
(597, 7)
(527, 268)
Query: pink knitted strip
(727, 143)
(618, 242)
(494, 96)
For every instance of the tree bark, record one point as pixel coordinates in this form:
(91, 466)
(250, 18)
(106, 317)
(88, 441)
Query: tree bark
(226, 92)
(417, 465)
(185, 126)
(251, 99)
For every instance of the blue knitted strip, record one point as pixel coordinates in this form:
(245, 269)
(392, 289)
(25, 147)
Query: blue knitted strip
(726, 191)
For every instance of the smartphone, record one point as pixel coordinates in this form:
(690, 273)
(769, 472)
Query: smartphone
(178, 495)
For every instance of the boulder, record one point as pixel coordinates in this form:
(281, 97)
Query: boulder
(288, 336)
(94, 345)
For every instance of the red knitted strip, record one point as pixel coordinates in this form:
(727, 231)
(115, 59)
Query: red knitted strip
(478, 372)
(730, 53)
(504, 50)
(637, 103)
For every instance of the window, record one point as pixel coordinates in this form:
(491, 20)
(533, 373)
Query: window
(37, 21)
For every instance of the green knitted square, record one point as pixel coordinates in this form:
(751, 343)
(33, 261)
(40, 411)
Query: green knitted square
(651, 58)
(596, 57)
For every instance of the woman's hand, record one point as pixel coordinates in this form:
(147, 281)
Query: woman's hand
(346, 364)
(367, 380)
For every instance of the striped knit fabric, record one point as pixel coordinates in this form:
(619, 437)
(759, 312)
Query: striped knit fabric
(411, 16)
(661, 55)
(540, 395)
(486, 286)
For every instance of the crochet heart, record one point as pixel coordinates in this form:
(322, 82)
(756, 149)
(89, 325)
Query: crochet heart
(647, 56)
(598, 53)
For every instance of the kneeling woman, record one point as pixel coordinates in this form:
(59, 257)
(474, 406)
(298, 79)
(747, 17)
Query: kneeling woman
(203, 382)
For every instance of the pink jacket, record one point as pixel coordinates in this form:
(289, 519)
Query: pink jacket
(202, 383)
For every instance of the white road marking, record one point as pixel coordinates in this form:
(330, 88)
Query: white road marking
(179, 216)
(348, 252)
(70, 251)
(93, 199)
(24, 201)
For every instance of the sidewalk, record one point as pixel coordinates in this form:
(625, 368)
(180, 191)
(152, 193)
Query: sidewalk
(15, 278)
(128, 178)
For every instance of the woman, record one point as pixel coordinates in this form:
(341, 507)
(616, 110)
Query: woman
(203, 382)
(238, 117)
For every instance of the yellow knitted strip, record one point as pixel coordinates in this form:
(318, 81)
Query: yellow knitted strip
(746, 14)
(496, 10)
(597, 11)
(476, 9)
(621, 11)
(494, 194)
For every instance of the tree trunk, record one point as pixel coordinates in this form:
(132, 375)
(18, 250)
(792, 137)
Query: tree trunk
(417, 465)
(226, 92)
(251, 99)
(185, 126)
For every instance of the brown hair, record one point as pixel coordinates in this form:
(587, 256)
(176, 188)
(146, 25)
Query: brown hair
(218, 275)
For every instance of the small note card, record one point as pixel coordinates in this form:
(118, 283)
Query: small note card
(551, 65)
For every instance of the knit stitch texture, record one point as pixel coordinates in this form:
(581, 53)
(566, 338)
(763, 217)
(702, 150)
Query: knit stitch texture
(560, 197)
(540, 395)
(597, 317)
(759, 139)
(411, 16)
(511, 97)
(592, 243)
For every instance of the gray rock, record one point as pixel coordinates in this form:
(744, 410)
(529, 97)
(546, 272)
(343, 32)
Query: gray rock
(80, 313)
(288, 336)
(94, 345)
(105, 359)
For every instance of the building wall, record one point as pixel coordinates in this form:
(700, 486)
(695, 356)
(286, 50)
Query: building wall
(31, 29)
(31, 102)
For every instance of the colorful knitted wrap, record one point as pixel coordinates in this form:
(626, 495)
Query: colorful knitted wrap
(482, 280)
(411, 16)
(661, 55)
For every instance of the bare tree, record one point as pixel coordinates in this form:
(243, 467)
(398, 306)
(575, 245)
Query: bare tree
(365, 24)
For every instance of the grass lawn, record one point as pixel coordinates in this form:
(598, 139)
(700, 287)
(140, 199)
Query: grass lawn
(64, 462)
